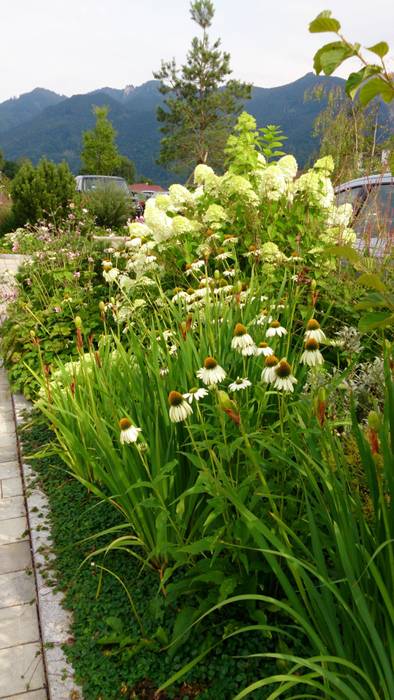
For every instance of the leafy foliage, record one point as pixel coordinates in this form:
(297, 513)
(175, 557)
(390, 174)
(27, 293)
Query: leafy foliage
(42, 191)
(372, 80)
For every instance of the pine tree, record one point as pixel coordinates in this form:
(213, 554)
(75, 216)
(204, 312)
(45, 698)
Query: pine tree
(202, 104)
(100, 155)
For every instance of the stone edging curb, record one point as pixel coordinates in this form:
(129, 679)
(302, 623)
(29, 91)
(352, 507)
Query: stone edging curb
(54, 619)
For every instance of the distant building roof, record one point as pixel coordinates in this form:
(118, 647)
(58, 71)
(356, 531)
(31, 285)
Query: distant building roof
(144, 187)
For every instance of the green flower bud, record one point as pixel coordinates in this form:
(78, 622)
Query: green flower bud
(373, 420)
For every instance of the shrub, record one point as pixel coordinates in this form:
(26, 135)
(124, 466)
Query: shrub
(41, 192)
(110, 207)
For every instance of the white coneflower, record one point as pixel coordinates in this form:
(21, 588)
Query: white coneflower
(225, 289)
(268, 374)
(263, 349)
(314, 331)
(211, 373)
(275, 329)
(229, 240)
(240, 384)
(197, 265)
(179, 408)
(228, 273)
(224, 256)
(195, 394)
(263, 318)
(111, 275)
(128, 432)
(179, 295)
(312, 355)
(249, 350)
(284, 379)
(241, 339)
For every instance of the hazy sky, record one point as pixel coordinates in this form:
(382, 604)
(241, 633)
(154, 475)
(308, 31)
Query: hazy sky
(74, 46)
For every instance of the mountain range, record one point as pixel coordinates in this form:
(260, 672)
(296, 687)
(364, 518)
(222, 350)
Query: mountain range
(42, 123)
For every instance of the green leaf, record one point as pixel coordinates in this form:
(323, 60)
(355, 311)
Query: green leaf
(355, 79)
(324, 23)
(376, 86)
(375, 319)
(330, 60)
(344, 251)
(381, 48)
(372, 281)
(328, 51)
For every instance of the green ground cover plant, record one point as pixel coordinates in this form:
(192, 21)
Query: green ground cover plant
(111, 656)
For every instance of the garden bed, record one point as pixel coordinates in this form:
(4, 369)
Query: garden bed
(134, 665)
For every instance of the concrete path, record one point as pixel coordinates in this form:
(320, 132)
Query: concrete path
(22, 673)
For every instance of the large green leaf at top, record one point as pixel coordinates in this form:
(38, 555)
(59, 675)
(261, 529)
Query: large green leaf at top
(324, 23)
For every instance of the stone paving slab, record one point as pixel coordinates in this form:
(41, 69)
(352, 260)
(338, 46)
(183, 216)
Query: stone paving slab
(13, 507)
(17, 588)
(34, 695)
(11, 487)
(15, 557)
(13, 530)
(18, 625)
(9, 469)
(21, 669)
(8, 454)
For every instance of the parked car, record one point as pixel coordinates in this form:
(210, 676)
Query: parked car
(93, 183)
(372, 198)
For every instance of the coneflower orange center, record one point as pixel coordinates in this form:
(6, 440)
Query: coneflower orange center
(311, 344)
(271, 361)
(175, 398)
(210, 363)
(312, 325)
(283, 369)
(125, 423)
(239, 329)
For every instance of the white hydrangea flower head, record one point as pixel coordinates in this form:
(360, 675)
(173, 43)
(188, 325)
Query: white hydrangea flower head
(325, 165)
(272, 183)
(215, 216)
(181, 225)
(270, 252)
(198, 192)
(201, 173)
(288, 166)
(340, 216)
(239, 186)
(180, 196)
(158, 222)
(318, 187)
(138, 230)
(162, 202)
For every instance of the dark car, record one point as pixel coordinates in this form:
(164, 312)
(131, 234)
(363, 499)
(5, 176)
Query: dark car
(372, 198)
